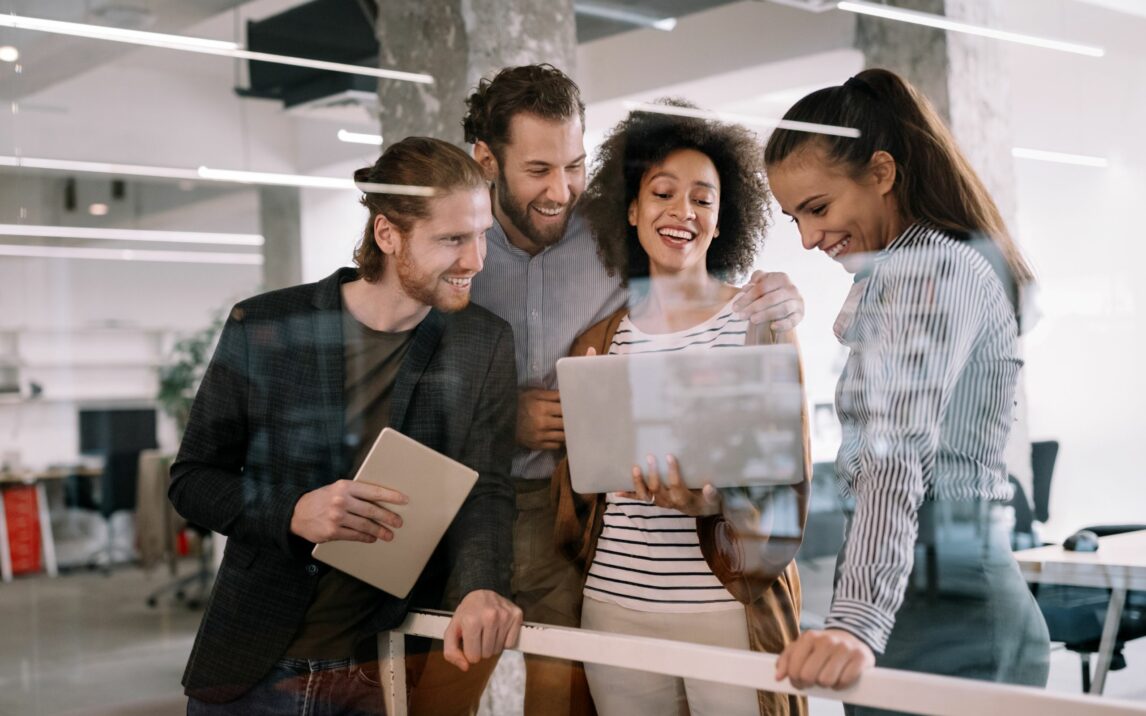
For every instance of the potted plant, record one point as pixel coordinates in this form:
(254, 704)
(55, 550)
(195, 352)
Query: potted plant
(179, 376)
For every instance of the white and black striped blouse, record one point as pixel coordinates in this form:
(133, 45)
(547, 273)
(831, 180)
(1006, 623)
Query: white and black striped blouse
(925, 402)
(648, 558)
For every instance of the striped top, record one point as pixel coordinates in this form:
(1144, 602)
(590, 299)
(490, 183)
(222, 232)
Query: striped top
(549, 299)
(925, 402)
(648, 558)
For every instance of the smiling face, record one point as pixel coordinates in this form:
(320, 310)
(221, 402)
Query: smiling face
(847, 217)
(675, 212)
(539, 177)
(436, 260)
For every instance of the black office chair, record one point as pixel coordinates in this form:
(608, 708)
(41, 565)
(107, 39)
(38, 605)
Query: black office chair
(1075, 615)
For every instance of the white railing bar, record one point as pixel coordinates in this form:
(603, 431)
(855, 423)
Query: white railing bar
(881, 688)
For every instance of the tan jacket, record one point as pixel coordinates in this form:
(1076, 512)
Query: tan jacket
(770, 590)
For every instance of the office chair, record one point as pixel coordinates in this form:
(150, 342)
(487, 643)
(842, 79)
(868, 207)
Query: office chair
(200, 579)
(1075, 615)
(159, 532)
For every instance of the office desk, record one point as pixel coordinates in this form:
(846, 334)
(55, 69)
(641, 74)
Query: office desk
(1119, 565)
(38, 478)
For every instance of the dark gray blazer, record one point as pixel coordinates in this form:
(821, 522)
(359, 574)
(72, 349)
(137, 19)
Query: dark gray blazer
(267, 427)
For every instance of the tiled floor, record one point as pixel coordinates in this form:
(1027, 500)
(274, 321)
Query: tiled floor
(86, 643)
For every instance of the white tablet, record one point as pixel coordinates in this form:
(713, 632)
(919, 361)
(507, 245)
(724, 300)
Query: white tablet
(436, 485)
(731, 416)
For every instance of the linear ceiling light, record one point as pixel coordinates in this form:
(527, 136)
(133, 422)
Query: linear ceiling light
(72, 165)
(359, 138)
(1060, 157)
(271, 178)
(186, 257)
(105, 234)
(198, 44)
(632, 17)
(208, 174)
(946, 23)
(744, 119)
(140, 170)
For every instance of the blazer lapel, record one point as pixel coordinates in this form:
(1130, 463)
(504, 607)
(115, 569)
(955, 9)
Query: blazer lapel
(328, 345)
(425, 342)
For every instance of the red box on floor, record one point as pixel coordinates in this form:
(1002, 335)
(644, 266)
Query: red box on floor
(22, 513)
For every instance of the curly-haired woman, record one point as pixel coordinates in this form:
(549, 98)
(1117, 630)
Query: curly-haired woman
(679, 203)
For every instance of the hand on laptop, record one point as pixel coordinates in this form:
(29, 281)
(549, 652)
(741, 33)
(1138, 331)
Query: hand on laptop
(347, 510)
(539, 422)
(483, 625)
(672, 493)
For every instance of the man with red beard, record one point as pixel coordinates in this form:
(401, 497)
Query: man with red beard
(302, 382)
(545, 278)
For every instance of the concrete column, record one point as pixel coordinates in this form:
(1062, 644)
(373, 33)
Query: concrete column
(459, 42)
(963, 76)
(280, 219)
(915, 52)
(979, 86)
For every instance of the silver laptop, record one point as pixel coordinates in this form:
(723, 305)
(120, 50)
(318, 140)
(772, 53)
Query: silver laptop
(731, 416)
(436, 485)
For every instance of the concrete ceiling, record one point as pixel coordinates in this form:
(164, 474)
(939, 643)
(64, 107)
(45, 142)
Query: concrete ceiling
(58, 57)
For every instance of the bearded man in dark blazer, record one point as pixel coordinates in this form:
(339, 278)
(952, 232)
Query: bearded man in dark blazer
(301, 383)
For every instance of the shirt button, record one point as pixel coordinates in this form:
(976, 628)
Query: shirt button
(312, 569)
(533, 313)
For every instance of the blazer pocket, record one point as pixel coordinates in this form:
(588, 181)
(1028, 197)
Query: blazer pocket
(239, 554)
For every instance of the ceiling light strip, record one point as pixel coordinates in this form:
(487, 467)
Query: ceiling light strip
(274, 179)
(744, 119)
(71, 165)
(199, 45)
(111, 234)
(359, 138)
(1060, 157)
(399, 189)
(631, 17)
(189, 257)
(114, 34)
(209, 174)
(945, 23)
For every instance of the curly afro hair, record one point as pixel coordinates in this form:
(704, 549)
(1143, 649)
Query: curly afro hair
(644, 140)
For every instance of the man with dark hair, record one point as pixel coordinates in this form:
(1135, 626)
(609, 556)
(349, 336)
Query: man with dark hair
(302, 382)
(544, 277)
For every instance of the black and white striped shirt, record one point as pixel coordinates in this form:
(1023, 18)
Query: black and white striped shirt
(648, 558)
(925, 402)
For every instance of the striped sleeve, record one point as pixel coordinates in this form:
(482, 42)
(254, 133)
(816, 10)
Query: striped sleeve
(915, 330)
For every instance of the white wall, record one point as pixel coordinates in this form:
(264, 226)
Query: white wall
(1080, 227)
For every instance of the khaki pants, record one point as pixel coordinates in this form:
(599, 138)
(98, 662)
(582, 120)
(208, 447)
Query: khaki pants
(632, 692)
(547, 587)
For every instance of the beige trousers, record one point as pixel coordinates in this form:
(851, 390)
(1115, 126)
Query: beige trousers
(631, 692)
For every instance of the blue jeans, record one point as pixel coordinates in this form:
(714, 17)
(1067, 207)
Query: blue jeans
(306, 687)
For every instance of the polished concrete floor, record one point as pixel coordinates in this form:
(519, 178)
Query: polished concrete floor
(86, 643)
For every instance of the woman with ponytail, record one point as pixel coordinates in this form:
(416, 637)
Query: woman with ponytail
(926, 397)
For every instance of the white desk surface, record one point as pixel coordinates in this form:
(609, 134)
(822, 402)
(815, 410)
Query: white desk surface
(1119, 561)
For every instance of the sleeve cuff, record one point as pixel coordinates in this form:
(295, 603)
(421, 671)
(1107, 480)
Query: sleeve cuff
(860, 619)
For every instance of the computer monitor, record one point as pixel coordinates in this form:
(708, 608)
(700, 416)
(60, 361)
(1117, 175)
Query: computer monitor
(117, 435)
(116, 431)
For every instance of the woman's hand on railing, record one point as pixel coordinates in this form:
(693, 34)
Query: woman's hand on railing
(672, 493)
(831, 658)
(482, 626)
